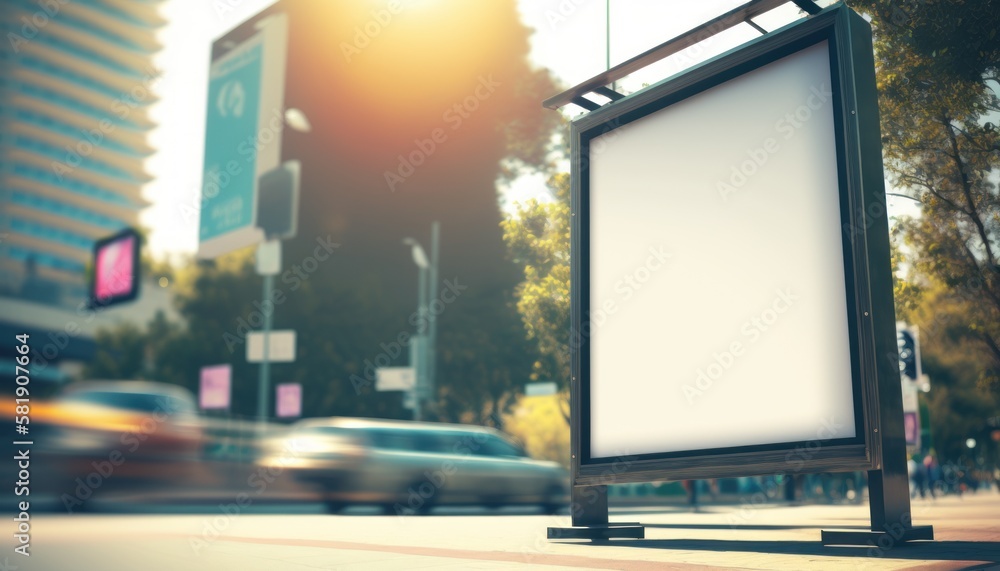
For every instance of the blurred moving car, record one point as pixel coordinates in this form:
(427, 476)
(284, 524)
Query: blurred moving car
(410, 467)
(140, 418)
(114, 435)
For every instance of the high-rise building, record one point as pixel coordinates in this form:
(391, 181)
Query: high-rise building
(75, 88)
(76, 84)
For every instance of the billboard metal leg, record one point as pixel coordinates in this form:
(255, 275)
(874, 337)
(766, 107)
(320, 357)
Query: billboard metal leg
(889, 502)
(589, 510)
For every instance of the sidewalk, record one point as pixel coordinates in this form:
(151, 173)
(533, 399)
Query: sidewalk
(769, 537)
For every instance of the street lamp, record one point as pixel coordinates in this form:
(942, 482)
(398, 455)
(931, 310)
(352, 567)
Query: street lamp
(419, 257)
(297, 120)
(425, 344)
(419, 352)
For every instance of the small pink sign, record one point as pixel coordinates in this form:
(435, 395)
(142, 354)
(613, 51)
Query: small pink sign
(289, 401)
(911, 427)
(214, 389)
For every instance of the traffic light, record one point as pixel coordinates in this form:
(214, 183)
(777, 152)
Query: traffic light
(907, 342)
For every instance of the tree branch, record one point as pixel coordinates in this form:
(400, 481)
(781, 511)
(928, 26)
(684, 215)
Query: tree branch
(967, 190)
(975, 265)
(991, 343)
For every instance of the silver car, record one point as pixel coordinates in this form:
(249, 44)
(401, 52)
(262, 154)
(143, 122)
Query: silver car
(410, 467)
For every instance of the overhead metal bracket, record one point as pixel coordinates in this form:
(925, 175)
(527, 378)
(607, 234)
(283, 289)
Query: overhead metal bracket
(809, 6)
(609, 93)
(755, 26)
(599, 83)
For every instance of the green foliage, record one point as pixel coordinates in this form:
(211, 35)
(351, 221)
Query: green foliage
(484, 358)
(937, 71)
(538, 422)
(342, 331)
(537, 237)
(121, 354)
(338, 329)
(960, 39)
(958, 404)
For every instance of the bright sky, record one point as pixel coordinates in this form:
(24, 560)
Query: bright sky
(570, 39)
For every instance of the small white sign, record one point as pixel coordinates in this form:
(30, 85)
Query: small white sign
(910, 402)
(395, 379)
(280, 347)
(269, 258)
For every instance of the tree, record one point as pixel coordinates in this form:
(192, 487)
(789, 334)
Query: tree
(380, 166)
(957, 406)
(120, 355)
(537, 236)
(937, 72)
(485, 358)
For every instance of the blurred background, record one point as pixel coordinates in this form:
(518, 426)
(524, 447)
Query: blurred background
(433, 204)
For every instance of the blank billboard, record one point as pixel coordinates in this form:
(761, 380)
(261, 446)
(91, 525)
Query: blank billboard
(718, 302)
(731, 281)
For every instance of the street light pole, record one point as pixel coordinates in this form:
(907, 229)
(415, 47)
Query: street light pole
(432, 315)
(268, 265)
(420, 339)
(422, 364)
(264, 379)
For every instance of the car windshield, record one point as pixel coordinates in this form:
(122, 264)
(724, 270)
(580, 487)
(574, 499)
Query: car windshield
(139, 402)
(495, 446)
(322, 431)
(444, 442)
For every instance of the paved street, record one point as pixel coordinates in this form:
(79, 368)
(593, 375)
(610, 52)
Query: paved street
(967, 531)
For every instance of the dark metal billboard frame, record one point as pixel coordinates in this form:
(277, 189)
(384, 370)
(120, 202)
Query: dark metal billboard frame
(879, 443)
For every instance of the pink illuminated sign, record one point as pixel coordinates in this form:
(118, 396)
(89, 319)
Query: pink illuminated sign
(214, 387)
(116, 269)
(289, 401)
(911, 427)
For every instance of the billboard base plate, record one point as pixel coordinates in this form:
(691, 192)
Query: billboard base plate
(875, 538)
(622, 530)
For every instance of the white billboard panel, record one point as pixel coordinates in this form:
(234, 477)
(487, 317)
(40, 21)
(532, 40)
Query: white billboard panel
(717, 284)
